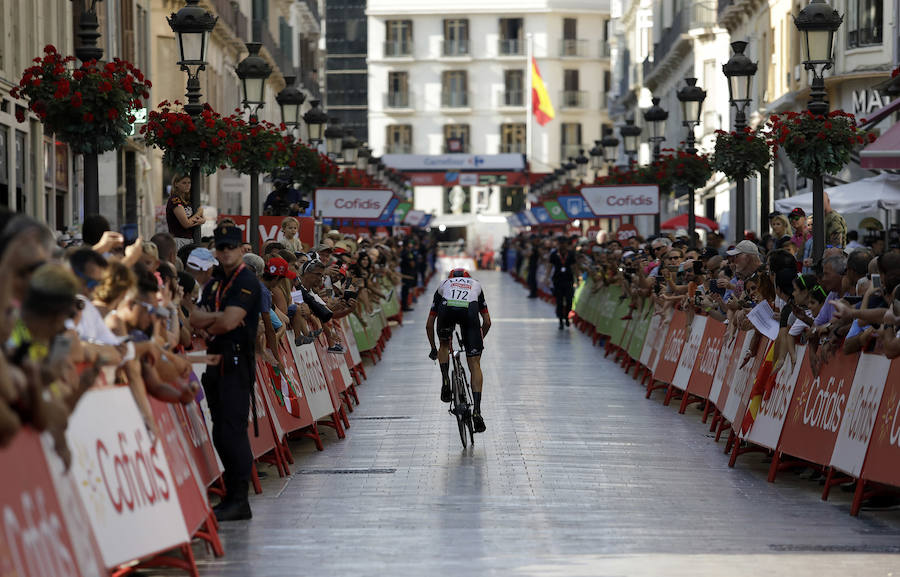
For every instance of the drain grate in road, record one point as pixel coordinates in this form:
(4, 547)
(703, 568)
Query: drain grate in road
(835, 548)
(382, 418)
(347, 471)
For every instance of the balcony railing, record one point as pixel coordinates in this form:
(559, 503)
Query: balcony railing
(512, 148)
(573, 47)
(573, 99)
(512, 98)
(452, 48)
(394, 148)
(704, 14)
(230, 14)
(456, 99)
(605, 50)
(395, 100)
(397, 48)
(511, 47)
(570, 150)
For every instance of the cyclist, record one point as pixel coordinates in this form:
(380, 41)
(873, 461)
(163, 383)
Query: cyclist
(458, 301)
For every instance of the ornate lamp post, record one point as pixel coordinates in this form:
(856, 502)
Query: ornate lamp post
(334, 138)
(192, 26)
(363, 157)
(691, 97)
(88, 50)
(596, 154)
(610, 145)
(740, 71)
(253, 72)
(656, 118)
(818, 22)
(290, 100)
(631, 137)
(571, 170)
(582, 162)
(559, 178)
(349, 149)
(316, 120)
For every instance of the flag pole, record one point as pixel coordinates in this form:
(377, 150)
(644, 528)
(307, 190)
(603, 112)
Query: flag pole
(529, 113)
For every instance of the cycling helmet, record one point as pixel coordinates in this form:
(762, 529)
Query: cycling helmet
(458, 272)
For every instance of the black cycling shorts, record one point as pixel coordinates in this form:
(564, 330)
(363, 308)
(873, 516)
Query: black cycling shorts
(449, 317)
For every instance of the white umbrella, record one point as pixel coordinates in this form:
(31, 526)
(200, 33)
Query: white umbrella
(866, 195)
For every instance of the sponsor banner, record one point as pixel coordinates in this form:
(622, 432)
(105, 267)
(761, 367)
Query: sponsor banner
(622, 200)
(882, 463)
(332, 371)
(766, 429)
(722, 365)
(351, 354)
(742, 382)
(639, 336)
(707, 359)
(858, 423)
(265, 441)
(124, 479)
(352, 203)
(315, 387)
(740, 348)
(414, 217)
(456, 161)
(575, 206)
(270, 227)
(200, 446)
(530, 218)
(555, 210)
(453, 178)
(688, 359)
(670, 349)
(541, 214)
(400, 212)
(658, 343)
(817, 408)
(650, 341)
(625, 232)
(37, 540)
(191, 491)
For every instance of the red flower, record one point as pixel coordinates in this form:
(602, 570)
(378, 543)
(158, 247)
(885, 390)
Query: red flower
(76, 100)
(820, 135)
(104, 87)
(36, 82)
(88, 117)
(20, 114)
(62, 89)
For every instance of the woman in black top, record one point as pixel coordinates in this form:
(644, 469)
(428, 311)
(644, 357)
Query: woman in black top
(181, 217)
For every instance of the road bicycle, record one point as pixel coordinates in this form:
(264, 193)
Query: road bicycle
(461, 394)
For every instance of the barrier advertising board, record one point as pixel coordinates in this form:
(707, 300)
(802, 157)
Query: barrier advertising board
(622, 200)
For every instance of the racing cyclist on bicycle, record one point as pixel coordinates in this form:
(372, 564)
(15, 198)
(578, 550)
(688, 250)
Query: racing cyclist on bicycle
(458, 301)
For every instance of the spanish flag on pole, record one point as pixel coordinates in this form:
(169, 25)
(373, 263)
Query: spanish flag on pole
(540, 100)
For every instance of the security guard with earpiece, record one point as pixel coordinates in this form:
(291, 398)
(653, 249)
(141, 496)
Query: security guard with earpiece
(229, 315)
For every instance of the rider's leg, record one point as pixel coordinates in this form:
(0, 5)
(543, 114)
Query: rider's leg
(444, 361)
(477, 380)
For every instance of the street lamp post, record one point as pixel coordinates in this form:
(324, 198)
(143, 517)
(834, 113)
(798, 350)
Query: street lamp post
(253, 72)
(290, 100)
(610, 145)
(334, 138)
(656, 117)
(88, 34)
(192, 26)
(316, 120)
(630, 136)
(818, 22)
(349, 149)
(596, 158)
(691, 97)
(740, 71)
(582, 162)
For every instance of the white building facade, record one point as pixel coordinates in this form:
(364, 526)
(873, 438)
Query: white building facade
(447, 78)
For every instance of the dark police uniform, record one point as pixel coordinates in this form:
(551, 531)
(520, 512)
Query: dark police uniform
(563, 281)
(229, 385)
(407, 267)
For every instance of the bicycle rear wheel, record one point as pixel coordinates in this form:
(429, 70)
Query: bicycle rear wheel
(459, 403)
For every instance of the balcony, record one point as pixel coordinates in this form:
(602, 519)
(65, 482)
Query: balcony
(454, 48)
(573, 48)
(570, 151)
(396, 148)
(605, 50)
(511, 47)
(573, 99)
(454, 99)
(230, 14)
(397, 101)
(398, 49)
(284, 62)
(512, 148)
(511, 98)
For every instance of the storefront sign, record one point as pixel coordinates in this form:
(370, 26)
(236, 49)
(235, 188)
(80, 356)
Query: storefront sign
(622, 200)
(352, 203)
(514, 162)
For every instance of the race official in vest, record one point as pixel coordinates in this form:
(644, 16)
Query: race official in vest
(228, 315)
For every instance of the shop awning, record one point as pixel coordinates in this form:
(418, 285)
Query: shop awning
(884, 153)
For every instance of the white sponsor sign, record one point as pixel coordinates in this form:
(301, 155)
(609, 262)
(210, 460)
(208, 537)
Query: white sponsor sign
(124, 480)
(619, 200)
(482, 162)
(689, 353)
(652, 333)
(350, 337)
(766, 429)
(859, 418)
(741, 383)
(721, 367)
(414, 217)
(358, 203)
(315, 387)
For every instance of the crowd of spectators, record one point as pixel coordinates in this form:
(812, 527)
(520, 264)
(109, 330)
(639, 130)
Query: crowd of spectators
(848, 300)
(97, 309)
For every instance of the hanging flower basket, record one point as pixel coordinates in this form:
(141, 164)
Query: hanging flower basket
(91, 107)
(309, 169)
(258, 148)
(741, 155)
(183, 138)
(655, 173)
(687, 170)
(817, 144)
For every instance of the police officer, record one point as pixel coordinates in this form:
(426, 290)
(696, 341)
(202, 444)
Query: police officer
(562, 263)
(229, 315)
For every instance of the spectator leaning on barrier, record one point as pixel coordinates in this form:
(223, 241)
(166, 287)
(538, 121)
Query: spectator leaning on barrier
(228, 315)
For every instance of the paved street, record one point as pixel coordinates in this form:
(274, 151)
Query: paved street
(577, 474)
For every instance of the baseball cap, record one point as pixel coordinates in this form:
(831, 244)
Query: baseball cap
(277, 266)
(201, 259)
(797, 213)
(226, 235)
(323, 247)
(744, 247)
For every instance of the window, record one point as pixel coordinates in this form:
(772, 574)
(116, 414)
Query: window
(569, 29)
(399, 139)
(455, 89)
(571, 140)
(398, 90)
(512, 138)
(399, 38)
(126, 17)
(456, 37)
(456, 138)
(572, 96)
(570, 45)
(261, 10)
(512, 37)
(864, 22)
(514, 91)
